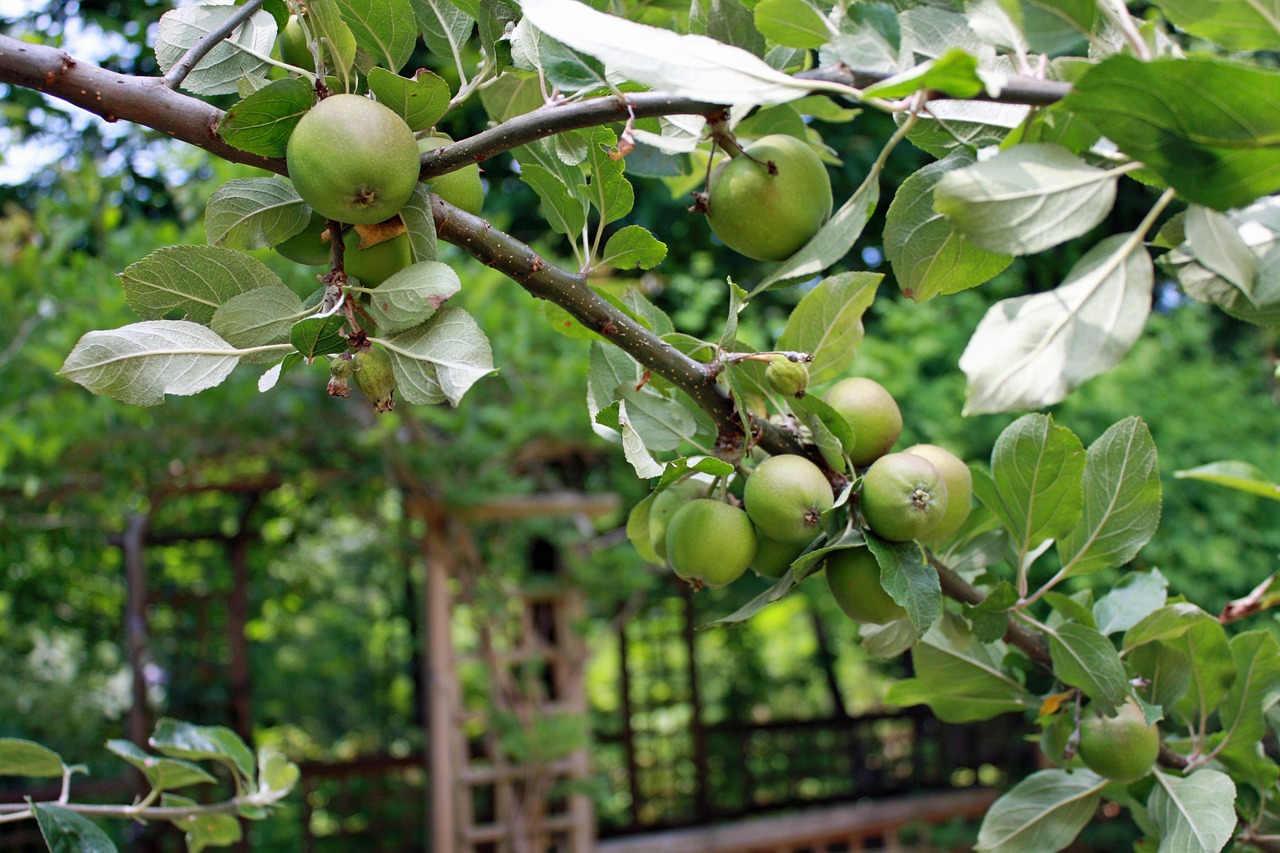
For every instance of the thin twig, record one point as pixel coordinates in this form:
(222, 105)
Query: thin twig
(200, 49)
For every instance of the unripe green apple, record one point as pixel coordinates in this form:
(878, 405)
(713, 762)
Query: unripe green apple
(376, 264)
(769, 213)
(853, 576)
(353, 160)
(293, 45)
(773, 558)
(903, 497)
(872, 413)
(461, 187)
(710, 543)
(375, 377)
(959, 489)
(665, 505)
(786, 496)
(309, 246)
(1122, 748)
(788, 378)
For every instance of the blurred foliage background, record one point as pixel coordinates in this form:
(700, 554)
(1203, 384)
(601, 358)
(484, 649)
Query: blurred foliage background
(332, 608)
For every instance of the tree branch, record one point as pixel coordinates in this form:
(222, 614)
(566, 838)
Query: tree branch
(956, 587)
(145, 101)
(208, 42)
(544, 280)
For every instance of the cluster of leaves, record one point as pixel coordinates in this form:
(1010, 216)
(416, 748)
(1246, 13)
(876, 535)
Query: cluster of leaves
(259, 783)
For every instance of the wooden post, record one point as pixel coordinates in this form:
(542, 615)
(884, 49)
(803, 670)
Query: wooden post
(439, 680)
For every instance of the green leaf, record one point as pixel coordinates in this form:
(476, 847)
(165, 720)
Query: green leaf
(1195, 814)
(632, 247)
(794, 23)
(1218, 246)
(1136, 596)
(162, 773)
(261, 317)
(27, 758)
(1031, 351)
(1166, 670)
(634, 446)
(728, 22)
(195, 280)
(1121, 501)
(954, 74)
(317, 336)
(1068, 608)
(1084, 658)
(221, 68)
(1233, 474)
(140, 363)
(960, 678)
(1025, 199)
(608, 191)
(638, 530)
(1212, 669)
(1042, 813)
(565, 210)
(830, 429)
(989, 619)
(325, 20)
(1256, 687)
(420, 224)
(384, 28)
(1233, 24)
(420, 101)
(277, 776)
(1037, 469)
(445, 28)
(66, 831)
(827, 323)
(447, 354)
(262, 122)
(252, 213)
(929, 256)
(1216, 143)
(833, 240)
(178, 739)
(203, 830)
(909, 579)
(1166, 624)
(412, 296)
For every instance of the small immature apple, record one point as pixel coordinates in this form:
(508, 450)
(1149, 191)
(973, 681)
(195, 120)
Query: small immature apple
(786, 496)
(293, 45)
(376, 264)
(853, 575)
(786, 377)
(353, 160)
(375, 377)
(903, 497)
(959, 489)
(872, 413)
(1122, 748)
(309, 246)
(710, 543)
(767, 201)
(462, 187)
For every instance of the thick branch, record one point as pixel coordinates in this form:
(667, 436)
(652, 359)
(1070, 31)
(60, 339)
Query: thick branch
(956, 587)
(571, 292)
(146, 101)
(558, 118)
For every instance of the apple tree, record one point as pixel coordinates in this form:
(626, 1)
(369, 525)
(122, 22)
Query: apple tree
(1036, 114)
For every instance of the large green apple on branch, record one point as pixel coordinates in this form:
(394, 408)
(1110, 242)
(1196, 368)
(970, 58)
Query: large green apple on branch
(779, 461)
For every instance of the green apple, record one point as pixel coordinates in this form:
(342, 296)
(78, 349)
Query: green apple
(770, 199)
(665, 505)
(309, 246)
(376, 264)
(709, 543)
(293, 45)
(773, 558)
(353, 160)
(461, 187)
(959, 482)
(903, 497)
(872, 413)
(853, 576)
(786, 496)
(1123, 747)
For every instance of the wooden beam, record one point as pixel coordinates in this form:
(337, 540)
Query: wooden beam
(795, 830)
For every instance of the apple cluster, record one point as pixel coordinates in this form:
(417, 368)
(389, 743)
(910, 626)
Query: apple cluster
(923, 493)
